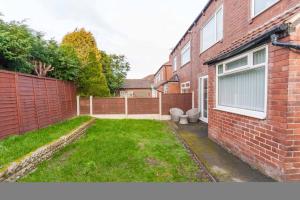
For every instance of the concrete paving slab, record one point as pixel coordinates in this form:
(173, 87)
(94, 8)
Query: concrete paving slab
(223, 165)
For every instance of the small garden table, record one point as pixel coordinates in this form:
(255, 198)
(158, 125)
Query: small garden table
(183, 119)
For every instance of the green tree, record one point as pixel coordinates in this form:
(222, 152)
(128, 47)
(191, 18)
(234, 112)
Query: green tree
(83, 42)
(20, 46)
(65, 61)
(91, 80)
(15, 46)
(115, 68)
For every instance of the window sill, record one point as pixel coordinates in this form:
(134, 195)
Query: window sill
(220, 41)
(243, 112)
(185, 64)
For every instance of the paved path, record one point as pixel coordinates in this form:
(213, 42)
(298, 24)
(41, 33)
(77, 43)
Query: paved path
(221, 164)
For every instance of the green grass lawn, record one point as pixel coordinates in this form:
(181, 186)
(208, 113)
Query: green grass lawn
(15, 147)
(121, 151)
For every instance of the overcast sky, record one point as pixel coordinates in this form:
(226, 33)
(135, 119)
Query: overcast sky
(144, 31)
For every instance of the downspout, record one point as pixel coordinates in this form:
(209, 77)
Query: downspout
(191, 53)
(274, 39)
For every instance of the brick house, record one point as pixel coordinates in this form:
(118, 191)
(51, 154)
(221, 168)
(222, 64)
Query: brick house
(240, 58)
(138, 88)
(165, 81)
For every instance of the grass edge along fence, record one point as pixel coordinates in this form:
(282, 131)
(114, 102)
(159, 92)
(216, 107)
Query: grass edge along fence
(16, 146)
(28, 162)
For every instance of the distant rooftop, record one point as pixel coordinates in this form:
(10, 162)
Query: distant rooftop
(149, 77)
(137, 84)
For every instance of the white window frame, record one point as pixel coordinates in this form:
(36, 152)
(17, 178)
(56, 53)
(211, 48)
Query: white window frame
(253, 15)
(184, 50)
(130, 93)
(240, 111)
(166, 88)
(157, 79)
(183, 86)
(213, 17)
(175, 64)
(122, 93)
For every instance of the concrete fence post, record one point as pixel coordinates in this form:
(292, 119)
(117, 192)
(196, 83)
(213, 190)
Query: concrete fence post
(78, 105)
(193, 99)
(126, 106)
(91, 105)
(160, 105)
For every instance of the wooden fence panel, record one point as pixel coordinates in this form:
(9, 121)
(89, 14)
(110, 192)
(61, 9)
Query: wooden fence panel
(182, 101)
(28, 102)
(143, 106)
(136, 106)
(41, 103)
(27, 107)
(108, 106)
(8, 104)
(84, 105)
(54, 102)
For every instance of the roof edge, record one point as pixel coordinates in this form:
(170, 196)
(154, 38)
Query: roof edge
(193, 24)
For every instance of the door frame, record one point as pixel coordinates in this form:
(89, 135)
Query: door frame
(200, 97)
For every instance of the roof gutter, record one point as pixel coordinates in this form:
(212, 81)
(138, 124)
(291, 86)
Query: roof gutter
(264, 38)
(274, 39)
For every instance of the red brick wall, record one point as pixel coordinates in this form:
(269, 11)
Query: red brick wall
(28, 102)
(270, 145)
(173, 88)
(143, 106)
(167, 75)
(237, 23)
(108, 106)
(291, 164)
(140, 93)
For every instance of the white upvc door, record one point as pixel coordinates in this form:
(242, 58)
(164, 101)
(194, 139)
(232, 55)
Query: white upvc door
(203, 98)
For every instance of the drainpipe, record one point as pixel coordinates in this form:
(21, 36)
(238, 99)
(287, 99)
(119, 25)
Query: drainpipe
(191, 53)
(275, 42)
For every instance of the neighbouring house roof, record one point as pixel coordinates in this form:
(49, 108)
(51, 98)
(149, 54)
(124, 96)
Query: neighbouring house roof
(149, 77)
(174, 79)
(256, 37)
(137, 84)
(164, 65)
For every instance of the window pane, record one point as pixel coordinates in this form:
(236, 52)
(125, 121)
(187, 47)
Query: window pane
(259, 57)
(220, 24)
(220, 69)
(245, 90)
(186, 54)
(237, 63)
(175, 64)
(261, 5)
(209, 34)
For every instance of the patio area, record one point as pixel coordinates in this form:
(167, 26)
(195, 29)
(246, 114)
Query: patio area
(224, 166)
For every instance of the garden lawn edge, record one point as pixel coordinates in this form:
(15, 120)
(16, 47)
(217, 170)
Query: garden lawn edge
(24, 165)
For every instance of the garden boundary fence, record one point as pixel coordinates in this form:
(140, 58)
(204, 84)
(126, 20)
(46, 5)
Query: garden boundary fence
(28, 102)
(134, 107)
